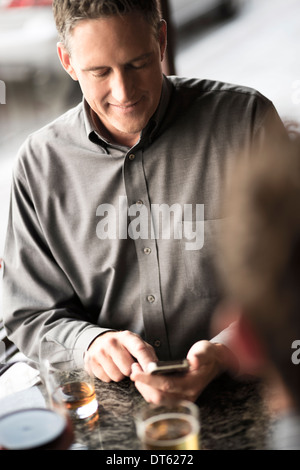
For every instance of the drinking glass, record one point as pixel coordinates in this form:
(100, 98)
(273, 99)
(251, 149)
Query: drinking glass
(28, 420)
(71, 384)
(174, 426)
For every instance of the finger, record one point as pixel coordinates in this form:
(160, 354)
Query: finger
(117, 361)
(112, 370)
(194, 361)
(150, 394)
(155, 396)
(114, 356)
(135, 369)
(164, 383)
(139, 349)
(147, 386)
(96, 370)
(184, 387)
(201, 350)
(115, 352)
(104, 368)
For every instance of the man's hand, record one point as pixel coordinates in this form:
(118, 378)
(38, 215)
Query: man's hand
(207, 361)
(111, 355)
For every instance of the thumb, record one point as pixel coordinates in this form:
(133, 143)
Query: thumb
(197, 355)
(135, 369)
(194, 360)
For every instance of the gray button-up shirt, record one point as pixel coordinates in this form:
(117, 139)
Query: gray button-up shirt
(106, 237)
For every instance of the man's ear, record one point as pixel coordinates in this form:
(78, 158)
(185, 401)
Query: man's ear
(163, 38)
(65, 59)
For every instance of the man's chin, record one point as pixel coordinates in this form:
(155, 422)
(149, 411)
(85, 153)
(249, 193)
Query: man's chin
(130, 130)
(127, 136)
(130, 125)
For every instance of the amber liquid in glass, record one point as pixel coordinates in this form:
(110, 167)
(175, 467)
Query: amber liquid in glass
(171, 432)
(79, 398)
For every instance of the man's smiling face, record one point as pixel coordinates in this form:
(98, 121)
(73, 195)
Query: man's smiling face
(117, 61)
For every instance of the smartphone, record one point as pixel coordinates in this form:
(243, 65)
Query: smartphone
(168, 367)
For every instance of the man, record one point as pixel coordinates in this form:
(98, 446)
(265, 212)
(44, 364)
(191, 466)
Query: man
(115, 205)
(259, 260)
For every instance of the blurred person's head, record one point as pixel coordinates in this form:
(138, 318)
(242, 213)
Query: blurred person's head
(260, 261)
(114, 48)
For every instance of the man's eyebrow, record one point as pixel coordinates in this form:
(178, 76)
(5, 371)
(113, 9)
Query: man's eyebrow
(141, 57)
(103, 67)
(95, 68)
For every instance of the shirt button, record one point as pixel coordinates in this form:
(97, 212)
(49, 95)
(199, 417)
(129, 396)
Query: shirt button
(157, 343)
(147, 251)
(151, 299)
(131, 156)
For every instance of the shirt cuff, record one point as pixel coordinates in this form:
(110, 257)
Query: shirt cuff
(83, 342)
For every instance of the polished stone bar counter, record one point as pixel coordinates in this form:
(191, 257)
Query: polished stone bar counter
(233, 417)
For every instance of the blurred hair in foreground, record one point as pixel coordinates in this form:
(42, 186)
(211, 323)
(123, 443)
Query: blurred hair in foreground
(259, 255)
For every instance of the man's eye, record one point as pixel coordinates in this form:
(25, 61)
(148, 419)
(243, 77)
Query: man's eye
(138, 66)
(102, 73)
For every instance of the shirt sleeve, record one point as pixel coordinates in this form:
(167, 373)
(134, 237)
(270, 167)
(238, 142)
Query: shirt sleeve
(42, 309)
(268, 128)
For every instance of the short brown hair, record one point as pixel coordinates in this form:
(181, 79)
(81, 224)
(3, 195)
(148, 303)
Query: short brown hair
(67, 13)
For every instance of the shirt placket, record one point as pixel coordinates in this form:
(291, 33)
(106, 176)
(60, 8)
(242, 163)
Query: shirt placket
(147, 255)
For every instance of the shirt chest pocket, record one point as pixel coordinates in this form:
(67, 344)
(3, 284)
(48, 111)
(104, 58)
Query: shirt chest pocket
(198, 247)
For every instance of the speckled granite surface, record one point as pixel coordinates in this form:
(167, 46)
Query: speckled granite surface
(233, 417)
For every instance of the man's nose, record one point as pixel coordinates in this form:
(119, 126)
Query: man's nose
(122, 87)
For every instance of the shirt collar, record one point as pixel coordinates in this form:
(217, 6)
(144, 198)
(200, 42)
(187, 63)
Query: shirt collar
(91, 131)
(158, 117)
(151, 128)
